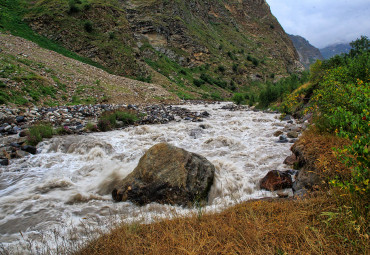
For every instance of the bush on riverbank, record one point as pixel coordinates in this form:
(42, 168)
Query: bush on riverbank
(38, 132)
(110, 120)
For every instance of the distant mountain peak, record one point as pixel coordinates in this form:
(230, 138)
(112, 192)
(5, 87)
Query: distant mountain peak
(335, 49)
(308, 54)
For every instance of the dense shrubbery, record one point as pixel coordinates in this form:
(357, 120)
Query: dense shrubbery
(274, 91)
(341, 105)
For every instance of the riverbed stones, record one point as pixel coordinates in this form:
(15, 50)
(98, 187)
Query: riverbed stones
(292, 134)
(168, 175)
(276, 180)
(291, 160)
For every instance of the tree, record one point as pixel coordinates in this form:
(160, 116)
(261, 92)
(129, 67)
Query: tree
(359, 46)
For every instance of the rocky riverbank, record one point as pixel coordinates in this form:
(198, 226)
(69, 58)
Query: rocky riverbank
(14, 122)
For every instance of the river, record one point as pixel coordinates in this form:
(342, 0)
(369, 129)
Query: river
(63, 192)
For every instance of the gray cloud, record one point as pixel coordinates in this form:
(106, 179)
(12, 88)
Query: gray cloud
(323, 22)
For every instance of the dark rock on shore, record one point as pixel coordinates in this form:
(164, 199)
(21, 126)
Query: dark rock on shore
(167, 175)
(276, 180)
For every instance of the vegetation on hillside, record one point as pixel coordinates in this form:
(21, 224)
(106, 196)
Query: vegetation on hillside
(12, 20)
(192, 53)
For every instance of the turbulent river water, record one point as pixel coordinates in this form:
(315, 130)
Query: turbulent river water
(65, 190)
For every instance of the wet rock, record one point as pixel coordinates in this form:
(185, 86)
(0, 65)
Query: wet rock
(20, 119)
(276, 180)
(291, 160)
(277, 133)
(292, 134)
(168, 175)
(306, 179)
(21, 154)
(196, 133)
(23, 133)
(287, 117)
(29, 149)
(4, 161)
(283, 139)
(15, 145)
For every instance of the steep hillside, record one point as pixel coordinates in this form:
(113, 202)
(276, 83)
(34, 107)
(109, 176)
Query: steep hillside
(30, 74)
(308, 54)
(206, 48)
(335, 49)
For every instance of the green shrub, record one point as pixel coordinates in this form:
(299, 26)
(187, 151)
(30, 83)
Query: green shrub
(104, 125)
(221, 68)
(88, 25)
(238, 98)
(108, 120)
(38, 132)
(126, 117)
(91, 127)
(198, 82)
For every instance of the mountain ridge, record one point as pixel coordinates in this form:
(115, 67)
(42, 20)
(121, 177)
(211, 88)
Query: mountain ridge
(308, 54)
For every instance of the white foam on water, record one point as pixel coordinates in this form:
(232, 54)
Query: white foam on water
(66, 188)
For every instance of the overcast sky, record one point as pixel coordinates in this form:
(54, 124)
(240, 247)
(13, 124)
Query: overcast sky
(323, 22)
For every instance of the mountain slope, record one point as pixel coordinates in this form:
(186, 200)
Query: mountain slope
(30, 74)
(308, 54)
(206, 48)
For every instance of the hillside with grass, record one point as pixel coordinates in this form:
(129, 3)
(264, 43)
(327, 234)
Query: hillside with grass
(195, 49)
(31, 75)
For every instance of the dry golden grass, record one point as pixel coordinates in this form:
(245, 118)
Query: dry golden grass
(308, 226)
(323, 223)
(317, 150)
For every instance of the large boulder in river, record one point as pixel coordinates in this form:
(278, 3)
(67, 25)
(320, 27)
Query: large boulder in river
(167, 175)
(276, 180)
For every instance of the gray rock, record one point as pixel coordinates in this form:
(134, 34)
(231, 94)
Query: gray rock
(306, 179)
(4, 161)
(283, 139)
(292, 134)
(167, 174)
(29, 149)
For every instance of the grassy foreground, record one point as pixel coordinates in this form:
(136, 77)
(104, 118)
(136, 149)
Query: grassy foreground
(308, 226)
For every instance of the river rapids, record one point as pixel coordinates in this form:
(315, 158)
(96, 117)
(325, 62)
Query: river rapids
(64, 191)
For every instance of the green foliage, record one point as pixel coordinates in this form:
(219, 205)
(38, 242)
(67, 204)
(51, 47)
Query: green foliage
(221, 68)
(359, 46)
(88, 26)
(38, 132)
(342, 103)
(12, 20)
(238, 98)
(274, 91)
(104, 125)
(198, 82)
(91, 127)
(108, 120)
(128, 118)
